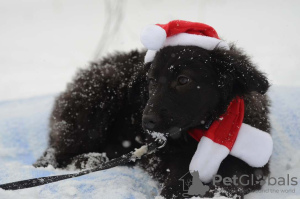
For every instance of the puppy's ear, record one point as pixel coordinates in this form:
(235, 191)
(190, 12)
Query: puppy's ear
(237, 73)
(248, 79)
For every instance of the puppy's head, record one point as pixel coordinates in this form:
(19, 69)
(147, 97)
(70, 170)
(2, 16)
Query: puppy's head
(190, 86)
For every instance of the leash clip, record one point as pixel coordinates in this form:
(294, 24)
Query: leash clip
(164, 142)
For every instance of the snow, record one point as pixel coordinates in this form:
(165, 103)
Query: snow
(92, 161)
(285, 114)
(126, 143)
(138, 153)
(158, 136)
(43, 43)
(23, 138)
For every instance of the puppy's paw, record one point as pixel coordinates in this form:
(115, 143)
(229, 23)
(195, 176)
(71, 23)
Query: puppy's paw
(48, 158)
(87, 161)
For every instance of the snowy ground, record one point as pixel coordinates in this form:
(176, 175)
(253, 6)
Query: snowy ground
(43, 42)
(23, 138)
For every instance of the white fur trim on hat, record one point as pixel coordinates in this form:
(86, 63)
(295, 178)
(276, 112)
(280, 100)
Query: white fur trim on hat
(150, 54)
(185, 39)
(207, 158)
(253, 146)
(153, 37)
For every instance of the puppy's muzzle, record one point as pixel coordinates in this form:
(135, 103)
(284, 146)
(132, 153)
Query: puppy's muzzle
(150, 121)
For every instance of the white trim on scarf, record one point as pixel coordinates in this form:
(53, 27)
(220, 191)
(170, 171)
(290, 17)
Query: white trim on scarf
(253, 146)
(207, 158)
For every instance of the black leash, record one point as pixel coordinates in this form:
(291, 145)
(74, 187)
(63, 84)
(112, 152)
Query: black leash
(152, 147)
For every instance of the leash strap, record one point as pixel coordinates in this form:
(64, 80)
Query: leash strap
(152, 147)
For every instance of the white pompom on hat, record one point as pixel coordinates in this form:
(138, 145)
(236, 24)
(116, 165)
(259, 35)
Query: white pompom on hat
(153, 37)
(182, 33)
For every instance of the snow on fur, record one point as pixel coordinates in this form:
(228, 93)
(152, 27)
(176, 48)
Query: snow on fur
(23, 137)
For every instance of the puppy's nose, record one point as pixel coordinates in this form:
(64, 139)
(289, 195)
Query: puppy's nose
(149, 121)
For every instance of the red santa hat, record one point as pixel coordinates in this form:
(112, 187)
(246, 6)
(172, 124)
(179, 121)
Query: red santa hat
(182, 33)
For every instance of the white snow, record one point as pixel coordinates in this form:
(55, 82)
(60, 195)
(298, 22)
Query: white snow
(126, 143)
(138, 153)
(158, 136)
(23, 138)
(43, 43)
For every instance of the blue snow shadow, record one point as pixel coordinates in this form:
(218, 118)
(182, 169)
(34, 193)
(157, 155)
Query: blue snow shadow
(23, 138)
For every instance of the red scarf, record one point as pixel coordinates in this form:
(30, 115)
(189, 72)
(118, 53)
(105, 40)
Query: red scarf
(225, 130)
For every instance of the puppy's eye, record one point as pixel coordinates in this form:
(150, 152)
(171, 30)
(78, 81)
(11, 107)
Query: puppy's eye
(182, 80)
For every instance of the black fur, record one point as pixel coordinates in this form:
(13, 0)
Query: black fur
(105, 104)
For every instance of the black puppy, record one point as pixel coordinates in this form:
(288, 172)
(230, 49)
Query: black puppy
(114, 99)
